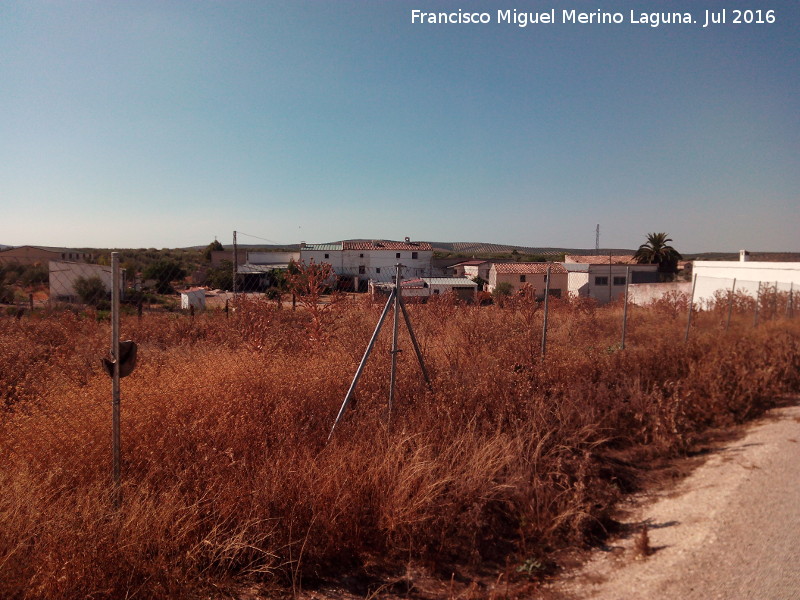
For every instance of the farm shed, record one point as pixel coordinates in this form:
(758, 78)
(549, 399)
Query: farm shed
(193, 298)
(425, 287)
(64, 275)
(29, 255)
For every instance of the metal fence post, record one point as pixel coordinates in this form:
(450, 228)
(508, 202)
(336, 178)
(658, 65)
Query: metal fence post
(730, 304)
(625, 306)
(115, 400)
(790, 301)
(546, 310)
(691, 305)
(758, 301)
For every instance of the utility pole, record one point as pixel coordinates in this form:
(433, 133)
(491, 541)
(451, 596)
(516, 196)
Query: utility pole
(597, 240)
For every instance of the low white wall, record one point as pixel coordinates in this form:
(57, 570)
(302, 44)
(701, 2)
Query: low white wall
(643, 294)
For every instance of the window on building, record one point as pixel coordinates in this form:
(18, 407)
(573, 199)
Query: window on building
(394, 278)
(414, 255)
(360, 256)
(619, 281)
(522, 278)
(397, 255)
(601, 280)
(378, 270)
(362, 269)
(327, 256)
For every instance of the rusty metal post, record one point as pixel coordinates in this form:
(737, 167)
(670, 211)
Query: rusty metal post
(730, 304)
(691, 305)
(115, 395)
(625, 306)
(546, 310)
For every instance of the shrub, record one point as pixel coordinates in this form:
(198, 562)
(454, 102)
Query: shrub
(91, 290)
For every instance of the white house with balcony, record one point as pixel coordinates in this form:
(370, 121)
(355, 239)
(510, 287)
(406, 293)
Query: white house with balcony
(373, 260)
(472, 269)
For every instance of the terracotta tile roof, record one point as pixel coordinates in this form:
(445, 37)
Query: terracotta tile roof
(412, 283)
(599, 259)
(525, 268)
(386, 245)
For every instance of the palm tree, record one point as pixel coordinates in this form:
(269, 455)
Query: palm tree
(658, 251)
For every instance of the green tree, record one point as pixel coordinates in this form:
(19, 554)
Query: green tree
(91, 290)
(308, 282)
(656, 250)
(212, 247)
(6, 293)
(164, 271)
(33, 274)
(480, 281)
(502, 292)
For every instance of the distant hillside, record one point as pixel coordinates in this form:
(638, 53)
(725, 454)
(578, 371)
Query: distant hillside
(484, 249)
(478, 249)
(754, 256)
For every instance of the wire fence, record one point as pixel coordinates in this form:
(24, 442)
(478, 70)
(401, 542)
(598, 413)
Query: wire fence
(168, 305)
(189, 378)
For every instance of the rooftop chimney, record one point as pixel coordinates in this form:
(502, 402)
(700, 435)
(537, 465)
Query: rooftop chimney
(408, 239)
(744, 256)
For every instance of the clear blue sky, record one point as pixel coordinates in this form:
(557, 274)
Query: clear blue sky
(159, 123)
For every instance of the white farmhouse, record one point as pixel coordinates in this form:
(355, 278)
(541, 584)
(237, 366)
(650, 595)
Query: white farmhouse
(374, 260)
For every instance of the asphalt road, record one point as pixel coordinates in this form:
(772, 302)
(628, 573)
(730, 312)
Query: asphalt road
(730, 530)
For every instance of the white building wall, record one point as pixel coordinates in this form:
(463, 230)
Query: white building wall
(713, 276)
(578, 284)
(386, 261)
(332, 257)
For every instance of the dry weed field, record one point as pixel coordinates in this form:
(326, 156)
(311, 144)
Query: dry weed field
(227, 479)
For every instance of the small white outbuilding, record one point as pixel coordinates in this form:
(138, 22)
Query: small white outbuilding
(193, 298)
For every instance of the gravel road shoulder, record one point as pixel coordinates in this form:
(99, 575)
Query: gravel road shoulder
(729, 530)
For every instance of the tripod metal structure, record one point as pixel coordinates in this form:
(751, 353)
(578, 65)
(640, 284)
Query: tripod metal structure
(395, 301)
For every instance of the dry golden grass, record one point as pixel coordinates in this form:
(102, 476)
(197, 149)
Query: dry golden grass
(227, 476)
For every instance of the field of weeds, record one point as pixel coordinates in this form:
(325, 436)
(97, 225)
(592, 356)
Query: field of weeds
(227, 478)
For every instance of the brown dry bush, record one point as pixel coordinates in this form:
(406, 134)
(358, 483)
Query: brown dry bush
(227, 475)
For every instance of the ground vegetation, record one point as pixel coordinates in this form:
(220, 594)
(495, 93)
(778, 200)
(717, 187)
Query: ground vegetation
(229, 480)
